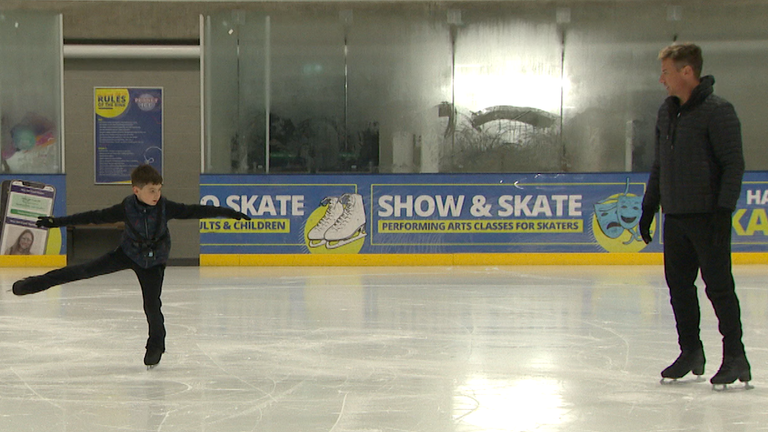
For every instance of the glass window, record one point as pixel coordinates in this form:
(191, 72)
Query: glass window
(478, 87)
(30, 92)
(306, 90)
(507, 86)
(735, 50)
(222, 96)
(399, 88)
(611, 93)
(284, 70)
(334, 84)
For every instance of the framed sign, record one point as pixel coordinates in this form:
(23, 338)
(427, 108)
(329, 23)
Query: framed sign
(22, 203)
(128, 131)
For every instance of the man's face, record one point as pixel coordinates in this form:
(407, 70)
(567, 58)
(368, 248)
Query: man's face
(149, 194)
(674, 79)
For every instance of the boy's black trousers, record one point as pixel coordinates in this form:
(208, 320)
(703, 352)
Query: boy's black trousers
(151, 280)
(688, 248)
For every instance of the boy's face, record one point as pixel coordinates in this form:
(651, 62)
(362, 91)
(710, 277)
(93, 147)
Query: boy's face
(148, 194)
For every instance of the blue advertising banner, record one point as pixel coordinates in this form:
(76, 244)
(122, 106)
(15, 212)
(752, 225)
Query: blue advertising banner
(448, 213)
(128, 131)
(750, 221)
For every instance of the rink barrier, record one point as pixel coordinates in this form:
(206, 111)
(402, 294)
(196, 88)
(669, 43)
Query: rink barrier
(454, 259)
(33, 260)
(430, 259)
(272, 260)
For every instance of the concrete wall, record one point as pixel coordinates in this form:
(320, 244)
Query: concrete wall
(180, 80)
(121, 20)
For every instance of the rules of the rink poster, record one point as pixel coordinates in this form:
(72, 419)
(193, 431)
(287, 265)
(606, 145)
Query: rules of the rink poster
(128, 131)
(445, 213)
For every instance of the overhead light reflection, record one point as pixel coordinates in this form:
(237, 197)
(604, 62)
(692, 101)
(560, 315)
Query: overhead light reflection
(509, 406)
(480, 86)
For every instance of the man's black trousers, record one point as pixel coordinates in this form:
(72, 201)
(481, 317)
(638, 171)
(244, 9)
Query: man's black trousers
(688, 248)
(150, 279)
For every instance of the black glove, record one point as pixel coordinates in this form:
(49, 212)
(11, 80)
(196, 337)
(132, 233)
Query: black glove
(645, 224)
(721, 226)
(234, 214)
(46, 222)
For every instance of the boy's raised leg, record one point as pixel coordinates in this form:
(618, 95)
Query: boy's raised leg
(108, 263)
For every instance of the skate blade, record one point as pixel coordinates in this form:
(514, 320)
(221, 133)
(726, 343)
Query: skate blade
(317, 243)
(333, 244)
(681, 381)
(150, 367)
(732, 387)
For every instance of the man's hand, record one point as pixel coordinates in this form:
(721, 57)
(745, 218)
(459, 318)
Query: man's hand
(46, 222)
(721, 226)
(645, 224)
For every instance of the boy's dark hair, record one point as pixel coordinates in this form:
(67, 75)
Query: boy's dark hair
(145, 174)
(684, 54)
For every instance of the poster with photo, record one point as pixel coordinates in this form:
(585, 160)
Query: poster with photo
(23, 202)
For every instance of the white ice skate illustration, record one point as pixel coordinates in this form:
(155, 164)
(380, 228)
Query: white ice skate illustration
(333, 211)
(350, 226)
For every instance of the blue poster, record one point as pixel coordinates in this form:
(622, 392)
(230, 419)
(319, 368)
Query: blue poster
(128, 131)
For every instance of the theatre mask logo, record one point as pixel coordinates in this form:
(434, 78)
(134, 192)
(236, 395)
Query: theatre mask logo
(615, 222)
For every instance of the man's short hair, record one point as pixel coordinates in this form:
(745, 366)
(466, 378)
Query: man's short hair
(145, 174)
(684, 54)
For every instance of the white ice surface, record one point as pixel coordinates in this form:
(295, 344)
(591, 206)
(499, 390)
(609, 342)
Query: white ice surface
(428, 349)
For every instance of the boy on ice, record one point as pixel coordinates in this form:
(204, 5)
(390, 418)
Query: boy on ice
(144, 247)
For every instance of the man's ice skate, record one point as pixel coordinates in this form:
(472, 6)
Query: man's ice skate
(350, 226)
(152, 357)
(30, 285)
(687, 361)
(333, 211)
(733, 368)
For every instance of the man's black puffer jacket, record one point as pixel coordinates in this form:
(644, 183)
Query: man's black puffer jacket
(699, 162)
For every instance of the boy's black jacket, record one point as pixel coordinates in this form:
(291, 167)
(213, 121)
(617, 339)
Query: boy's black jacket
(150, 225)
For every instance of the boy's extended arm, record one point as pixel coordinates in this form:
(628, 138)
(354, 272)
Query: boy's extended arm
(176, 210)
(113, 214)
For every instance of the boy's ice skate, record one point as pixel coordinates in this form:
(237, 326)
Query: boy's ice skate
(30, 285)
(733, 368)
(152, 357)
(688, 361)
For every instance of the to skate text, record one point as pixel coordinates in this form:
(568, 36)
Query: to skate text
(261, 205)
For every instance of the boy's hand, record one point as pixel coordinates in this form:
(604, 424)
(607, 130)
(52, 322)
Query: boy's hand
(45, 221)
(239, 216)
